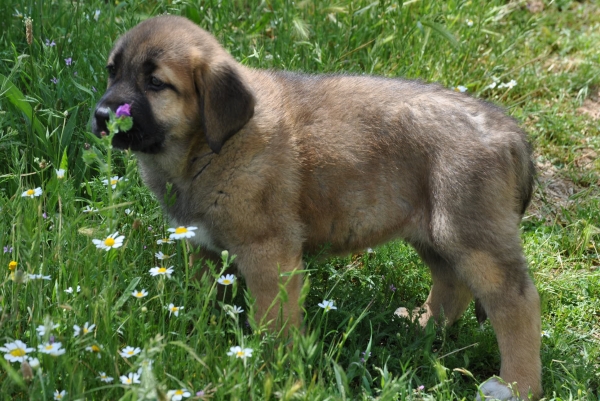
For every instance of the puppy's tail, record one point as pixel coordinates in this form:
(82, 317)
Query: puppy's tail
(525, 171)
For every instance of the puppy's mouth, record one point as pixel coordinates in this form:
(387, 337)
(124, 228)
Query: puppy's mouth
(144, 136)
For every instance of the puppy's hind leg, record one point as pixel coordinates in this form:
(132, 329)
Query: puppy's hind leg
(501, 283)
(449, 295)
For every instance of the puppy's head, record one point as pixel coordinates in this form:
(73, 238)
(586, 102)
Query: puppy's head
(179, 82)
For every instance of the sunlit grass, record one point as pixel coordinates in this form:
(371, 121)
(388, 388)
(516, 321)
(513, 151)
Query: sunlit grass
(93, 305)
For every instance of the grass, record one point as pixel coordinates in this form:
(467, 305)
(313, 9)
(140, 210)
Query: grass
(357, 351)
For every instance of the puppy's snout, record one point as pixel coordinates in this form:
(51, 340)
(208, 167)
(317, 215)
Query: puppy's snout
(100, 118)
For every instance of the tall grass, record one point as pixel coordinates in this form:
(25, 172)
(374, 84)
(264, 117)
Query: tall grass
(357, 351)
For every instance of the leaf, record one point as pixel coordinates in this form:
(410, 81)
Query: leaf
(16, 97)
(443, 32)
(127, 293)
(340, 379)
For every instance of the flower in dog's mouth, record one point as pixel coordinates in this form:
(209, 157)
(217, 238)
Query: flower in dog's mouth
(182, 232)
(112, 241)
(327, 305)
(123, 110)
(226, 279)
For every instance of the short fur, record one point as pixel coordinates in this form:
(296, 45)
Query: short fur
(269, 165)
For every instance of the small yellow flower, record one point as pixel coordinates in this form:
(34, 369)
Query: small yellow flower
(12, 266)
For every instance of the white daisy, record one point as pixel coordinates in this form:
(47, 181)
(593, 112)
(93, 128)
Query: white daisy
(164, 241)
(95, 349)
(16, 351)
(139, 294)
(105, 378)
(131, 378)
(41, 329)
(161, 256)
(53, 349)
(59, 396)
(89, 209)
(237, 309)
(510, 84)
(113, 181)
(226, 279)
(60, 174)
(112, 241)
(129, 351)
(157, 271)
(240, 352)
(460, 88)
(182, 232)
(33, 362)
(174, 309)
(178, 395)
(85, 329)
(327, 305)
(32, 192)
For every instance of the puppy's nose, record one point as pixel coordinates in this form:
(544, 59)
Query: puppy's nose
(100, 118)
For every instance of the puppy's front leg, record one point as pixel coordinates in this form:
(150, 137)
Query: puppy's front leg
(273, 277)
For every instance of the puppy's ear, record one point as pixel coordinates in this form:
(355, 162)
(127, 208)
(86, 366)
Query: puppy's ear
(226, 104)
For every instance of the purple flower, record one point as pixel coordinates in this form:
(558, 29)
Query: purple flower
(200, 393)
(44, 215)
(124, 110)
(8, 249)
(392, 288)
(54, 80)
(75, 73)
(50, 44)
(68, 61)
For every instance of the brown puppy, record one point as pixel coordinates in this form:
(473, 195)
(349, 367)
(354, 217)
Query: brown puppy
(269, 165)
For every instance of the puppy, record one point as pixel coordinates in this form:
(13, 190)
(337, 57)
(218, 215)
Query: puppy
(269, 165)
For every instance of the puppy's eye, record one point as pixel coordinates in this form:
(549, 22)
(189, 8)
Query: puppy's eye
(112, 71)
(156, 83)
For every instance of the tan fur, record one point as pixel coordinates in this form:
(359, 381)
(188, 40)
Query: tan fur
(271, 165)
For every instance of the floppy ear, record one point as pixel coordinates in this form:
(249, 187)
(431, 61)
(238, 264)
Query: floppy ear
(226, 104)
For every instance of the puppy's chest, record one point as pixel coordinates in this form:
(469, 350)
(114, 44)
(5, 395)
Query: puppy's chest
(183, 202)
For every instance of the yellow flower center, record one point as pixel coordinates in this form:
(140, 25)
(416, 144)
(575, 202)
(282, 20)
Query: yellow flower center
(30, 192)
(109, 241)
(139, 294)
(162, 270)
(85, 330)
(12, 265)
(174, 309)
(95, 348)
(181, 230)
(113, 182)
(240, 354)
(129, 352)
(226, 281)
(49, 346)
(17, 352)
(128, 380)
(178, 392)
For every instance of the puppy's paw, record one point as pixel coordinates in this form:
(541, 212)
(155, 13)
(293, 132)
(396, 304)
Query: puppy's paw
(495, 389)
